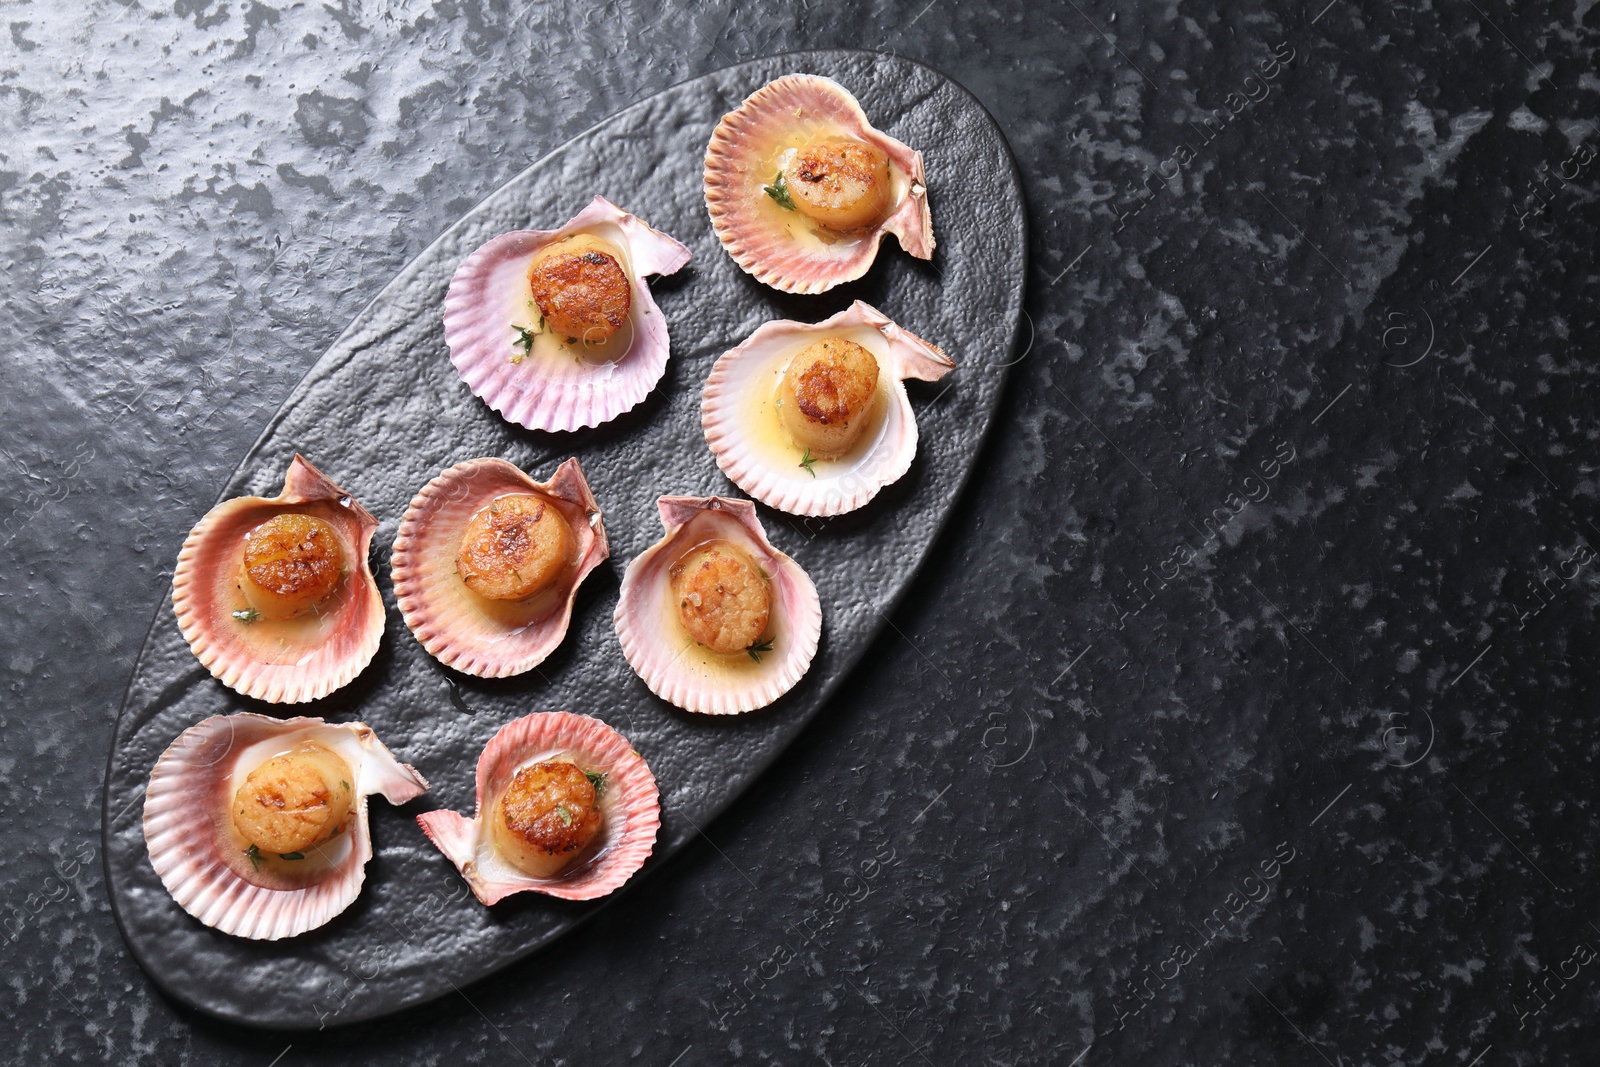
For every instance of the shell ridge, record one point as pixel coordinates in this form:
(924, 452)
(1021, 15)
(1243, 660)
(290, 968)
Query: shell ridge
(305, 484)
(451, 833)
(662, 254)
(679, 511)
(397, 782)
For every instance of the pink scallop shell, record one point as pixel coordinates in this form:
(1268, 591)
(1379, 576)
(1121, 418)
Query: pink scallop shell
(530, 739)
(733, 185)
(745, 376)
(658, 654)
(252, 660)
(186, 808)
(491, 286)
(437, 607)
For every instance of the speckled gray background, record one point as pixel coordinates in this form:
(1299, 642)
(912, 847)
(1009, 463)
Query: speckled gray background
(1245, 714)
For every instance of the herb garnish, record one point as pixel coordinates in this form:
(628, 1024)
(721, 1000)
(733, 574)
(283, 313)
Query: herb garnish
(564, 815)
(525, 338)
(779, 191)
(254, 855)
(291, 855)
(759, 647)
(345, 784)
(598, 780)
(806, 461)
(247, 615)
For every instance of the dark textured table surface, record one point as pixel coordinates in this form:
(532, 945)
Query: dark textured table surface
(1244, 712)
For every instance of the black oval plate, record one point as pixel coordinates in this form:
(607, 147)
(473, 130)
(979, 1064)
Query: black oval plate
(384, 411)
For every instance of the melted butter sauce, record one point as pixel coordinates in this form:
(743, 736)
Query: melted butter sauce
(516, 615)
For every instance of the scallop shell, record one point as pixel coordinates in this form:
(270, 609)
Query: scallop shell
(737, 171)
(489, 296)
(631, 807)
(438, 608)
(741, 425)
(668, 660)
(283, 663)
(186, 823)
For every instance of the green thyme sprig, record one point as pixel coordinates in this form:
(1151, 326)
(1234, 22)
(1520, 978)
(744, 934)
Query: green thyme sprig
(525, 336)
(779, 191)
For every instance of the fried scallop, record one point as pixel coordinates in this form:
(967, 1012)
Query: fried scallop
(488, 561)
(275, 595)
(839, 183)
(290, 565)
(802, 189)
(724, 597)
(556, 329)
(825, 394)
(257, 826)
(580, 290)
(565, 807)
(548, 816)
(712, 617)
(295, 801)
(814, 419)
(515, 547)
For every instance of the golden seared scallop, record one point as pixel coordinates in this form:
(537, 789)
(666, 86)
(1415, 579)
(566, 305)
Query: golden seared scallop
(515, 547)
(581, 288)
(825, 395)
(724, 599)
(839, 183)
(290, 564)
(294, 801)
(548, 815)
